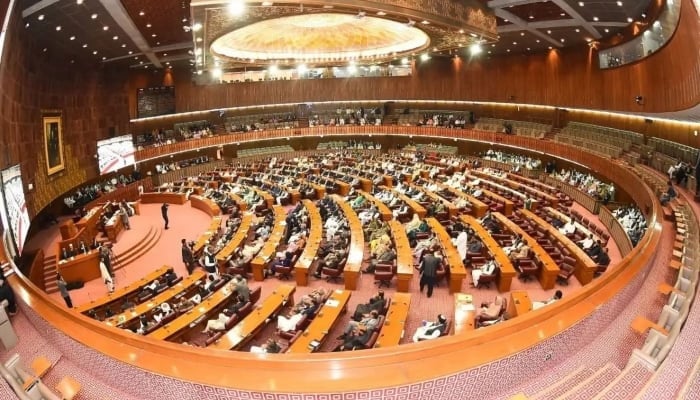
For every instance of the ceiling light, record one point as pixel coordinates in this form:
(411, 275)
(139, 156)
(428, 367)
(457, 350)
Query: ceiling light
(72, 38)
(236, 7)
(94, 52)
(148, 25)
(165, 54)
(104, 58)
(562, 14)
(273, 69)
(404, 61)
(154, 35)
(196, 27)
(549, 31)
(522, 33)
(184, 19)
(549, 47)
(475, 49)
(93, 16)
(157, 43)
(79, 2)
(505, 20)
(580, 4)
(145, 66)
(199, 72)
(84, 45)
(508, 50)
(538, 40)
(461, 31)
(142, 13)
(123, 45)
(619, 3)
(515, 43)
(26, 25)
(381, 13)
(45, 49)
(607, 30)
(578, 30)
(562, 40)
(352, 68)
(167, 63)
(40, 17)
(531, 16)
(199, 39)
(216, 72)
(528, 48)
(131, 52)
(141, 62)
(267, 3)
(595, 19)
(105, 28)
(425, 22)
(115, 37)
(425, 57)
(58, 28)
(629, 19)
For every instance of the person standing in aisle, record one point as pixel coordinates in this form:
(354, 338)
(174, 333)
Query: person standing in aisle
(164, 211)
(63, 288)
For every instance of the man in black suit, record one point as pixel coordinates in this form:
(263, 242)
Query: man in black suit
(187, 257)
(428, 269)
(164, 211)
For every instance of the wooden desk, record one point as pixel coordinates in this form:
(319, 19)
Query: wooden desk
(507, 204)
(68, 229)
(507, 271)
(343, 187)
(356, 252)
(237, 240)
(205, 204)
(384, 211)
(479, 208)
(204, 237)
(165, 296)
(83, 267)
(561, 216)
(641, 325)
(123, 292)
(519, 303)
(114, 227)
(434, 198)
(254, 322)
(404, 256)
(412, 204)
(521, 188)
(269, 249)
(394, 324)
(454, 261)
(301, 267)
(323, 323)
(549, 271)
(164, 197)
(585, 267)
(89, 222)
(267, 197)
(192, 317)
(242, 205)
(40, 366)
(465, 312)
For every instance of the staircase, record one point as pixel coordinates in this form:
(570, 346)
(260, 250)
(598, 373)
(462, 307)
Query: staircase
(565, 384)
(589, 388)
(630, 382)
(121, 260)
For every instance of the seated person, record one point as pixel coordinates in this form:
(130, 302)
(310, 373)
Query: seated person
(387, 256)
(211, 283)
(289, 323)
(170, 276)
(568, 229)
(357, 339)
(162, 311)
(369, 321)
(376, 303)
(431, 330)
(474, 246)
(602, 258)
(669, 194)
(240, 286)
(284, 261)
(236, 304)
(218, 324)
(536, 305)
(523, 252)
(184, 305)
(270, 346)
(587, 242)
(487, 269)
(490, 311)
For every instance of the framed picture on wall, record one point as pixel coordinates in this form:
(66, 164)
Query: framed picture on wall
(53, 143)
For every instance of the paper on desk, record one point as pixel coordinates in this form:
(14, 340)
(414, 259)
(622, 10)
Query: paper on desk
(332, 303)
(466, 307)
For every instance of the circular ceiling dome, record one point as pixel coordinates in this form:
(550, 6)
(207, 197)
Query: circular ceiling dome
(323, 37)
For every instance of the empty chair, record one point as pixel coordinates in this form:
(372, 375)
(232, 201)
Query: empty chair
(384, 274)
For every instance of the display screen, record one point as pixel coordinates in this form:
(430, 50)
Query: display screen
(17, 214)
(154, 101)
(116, 153)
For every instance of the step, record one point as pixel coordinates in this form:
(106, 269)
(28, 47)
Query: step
(596, 383)
(133, 254)
(564, 384)
(630, 382)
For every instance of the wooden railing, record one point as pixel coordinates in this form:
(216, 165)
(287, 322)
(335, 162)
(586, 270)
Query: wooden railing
(129, 192)
(184, 173)
(588, 202)
(617, 232)
(377, 368)
(36, 270)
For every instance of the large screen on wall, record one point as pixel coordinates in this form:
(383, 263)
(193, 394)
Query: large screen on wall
(154, 101)
(17, 214)
(115, 153)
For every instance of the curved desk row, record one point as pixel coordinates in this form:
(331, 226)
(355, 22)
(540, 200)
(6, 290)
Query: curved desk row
(351, 271)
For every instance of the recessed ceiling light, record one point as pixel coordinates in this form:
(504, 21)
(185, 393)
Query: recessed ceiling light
(425, 22)
(45, 49)
(531, 16)
(94, 52)
(629, 19)
(199, 39)
(131, 52)
(58, 28)
(157, 43)
(562, 40)
(104, 58)
(184, 19)
(142, 13)
(505, 20)
(508, 50)
(167, 63)
(595, 18)
(123, 45)
(79, 2)
(493, 45)
(619, 3)
(84, 45)
(154, 35)
(549, 47)
(381, 13)
(522, 33)
(72, 38)
(40, 17)
(538, 40)
(26, 25)
(580, 4)
(562, 14)
(607, 30)
(528, 48)
(461, 31)
(148, 25)
(549, 31)
(115, 37)
(165, 54)
(93, 16)
(136, 58)
(105, 28)
(515, 43)
(578, 30)
(140, 62)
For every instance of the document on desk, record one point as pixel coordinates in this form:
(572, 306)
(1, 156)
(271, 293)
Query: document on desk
(332, 303)
(466, 307)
